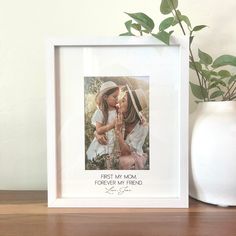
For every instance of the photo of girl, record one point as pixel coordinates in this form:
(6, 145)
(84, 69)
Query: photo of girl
(116, 123)
(104, 120)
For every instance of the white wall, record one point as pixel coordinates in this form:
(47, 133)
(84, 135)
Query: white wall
(24, 27)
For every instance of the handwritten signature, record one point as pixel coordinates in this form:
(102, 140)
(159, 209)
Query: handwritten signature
(119, 191)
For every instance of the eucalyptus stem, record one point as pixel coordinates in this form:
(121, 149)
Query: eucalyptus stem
(233, 97)
(197, 72)
(221, 91)
(191, 53)
(228, 92)
(179, 21)
(233, 92)
(182, 28)
(204, 81)
(192, 58)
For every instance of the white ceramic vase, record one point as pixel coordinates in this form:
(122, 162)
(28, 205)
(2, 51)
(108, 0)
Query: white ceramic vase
(213, 153)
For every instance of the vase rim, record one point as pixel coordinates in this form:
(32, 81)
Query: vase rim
(217, 105)
(217, 101)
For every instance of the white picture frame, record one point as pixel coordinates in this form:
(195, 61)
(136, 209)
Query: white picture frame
(165, 183)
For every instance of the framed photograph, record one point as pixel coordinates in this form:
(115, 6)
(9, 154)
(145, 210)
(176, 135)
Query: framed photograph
(117, 122)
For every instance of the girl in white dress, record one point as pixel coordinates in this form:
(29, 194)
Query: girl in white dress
(104, 119)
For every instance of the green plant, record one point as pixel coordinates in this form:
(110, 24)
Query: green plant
(214, 83)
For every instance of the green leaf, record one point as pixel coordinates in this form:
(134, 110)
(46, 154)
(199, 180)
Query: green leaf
(224, 60)
(222, 83)
(216, 94)
(214, 85)
(166, 23)
(213, 73)
(204, 58)
(136, 26)
(198, 91)
(175, 22)
(197, 65)
(142, 19)
(214, 79)
(163, 36)
(186, 20)
(128, 25)
(206, 74)
(127, 34)
(168, 5)
(199, 27)
(232, 79)
(180, 17)
(224, 73)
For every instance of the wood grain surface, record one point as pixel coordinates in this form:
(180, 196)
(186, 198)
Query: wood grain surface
(25, 213)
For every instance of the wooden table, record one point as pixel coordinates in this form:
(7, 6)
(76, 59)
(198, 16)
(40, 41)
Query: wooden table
(25, 213)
